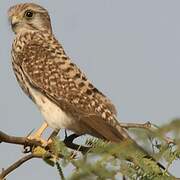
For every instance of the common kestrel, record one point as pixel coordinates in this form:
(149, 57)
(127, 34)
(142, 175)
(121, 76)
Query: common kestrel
(63, 94)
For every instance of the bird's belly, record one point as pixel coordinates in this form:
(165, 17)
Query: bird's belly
(55, 117)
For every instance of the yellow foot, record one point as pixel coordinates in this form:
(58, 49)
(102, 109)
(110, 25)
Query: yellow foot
(37, 135)
(43, 142)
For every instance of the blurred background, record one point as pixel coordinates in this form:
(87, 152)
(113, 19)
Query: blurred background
(130, 51)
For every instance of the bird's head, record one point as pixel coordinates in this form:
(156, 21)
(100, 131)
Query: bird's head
(29, 16)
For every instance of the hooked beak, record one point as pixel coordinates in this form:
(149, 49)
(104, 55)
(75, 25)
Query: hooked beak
(14, 22)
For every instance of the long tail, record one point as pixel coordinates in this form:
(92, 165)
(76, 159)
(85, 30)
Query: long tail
(112, 131)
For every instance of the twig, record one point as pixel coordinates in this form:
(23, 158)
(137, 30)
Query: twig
(146, 125)
(17, 164)
(60, 171)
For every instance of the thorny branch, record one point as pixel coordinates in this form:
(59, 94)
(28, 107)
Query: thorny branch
(68, 141)
(24, 141)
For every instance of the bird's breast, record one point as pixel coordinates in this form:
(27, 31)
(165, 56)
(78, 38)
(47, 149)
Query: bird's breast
(53, 114)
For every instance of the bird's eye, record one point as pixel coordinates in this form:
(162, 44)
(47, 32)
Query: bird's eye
(29, 14)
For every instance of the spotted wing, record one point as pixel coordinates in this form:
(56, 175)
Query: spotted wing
(50, 71)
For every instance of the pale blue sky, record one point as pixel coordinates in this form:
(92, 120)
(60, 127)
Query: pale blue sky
(129, 49)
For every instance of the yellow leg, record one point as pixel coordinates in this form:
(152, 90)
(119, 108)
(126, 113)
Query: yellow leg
(38, 133)
(53, 135)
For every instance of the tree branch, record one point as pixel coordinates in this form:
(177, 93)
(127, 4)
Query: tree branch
(68, 141)
(17, 164)
(17, 140)
(33, 144)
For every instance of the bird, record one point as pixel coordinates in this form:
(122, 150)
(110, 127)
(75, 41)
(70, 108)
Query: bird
(62, 92)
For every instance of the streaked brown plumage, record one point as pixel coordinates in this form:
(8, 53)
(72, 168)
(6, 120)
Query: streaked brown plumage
(63, 94)
(41, 64)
